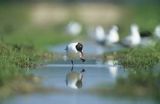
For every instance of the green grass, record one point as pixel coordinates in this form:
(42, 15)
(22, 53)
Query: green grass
(14, 61)
(142, 81)
(15, 65)
(140, 58)
(142, 78)
(22, 47)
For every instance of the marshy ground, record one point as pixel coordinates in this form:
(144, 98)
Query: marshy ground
(24, 42)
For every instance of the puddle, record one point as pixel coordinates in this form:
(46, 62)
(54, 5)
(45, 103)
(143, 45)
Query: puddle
(54, 76)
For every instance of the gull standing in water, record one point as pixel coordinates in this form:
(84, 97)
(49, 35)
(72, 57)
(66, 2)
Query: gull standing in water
(113, 36)
(74, 79)
(74, 50)
(133, 39)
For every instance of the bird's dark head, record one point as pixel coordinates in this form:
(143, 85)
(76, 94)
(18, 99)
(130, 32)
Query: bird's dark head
(79, 47)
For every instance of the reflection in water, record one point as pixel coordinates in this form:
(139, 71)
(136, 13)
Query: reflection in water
(96, 76)
(113, 68)
(74, 79)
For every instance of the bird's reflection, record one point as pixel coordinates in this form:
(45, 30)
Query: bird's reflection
(113, 68)
(75, 79)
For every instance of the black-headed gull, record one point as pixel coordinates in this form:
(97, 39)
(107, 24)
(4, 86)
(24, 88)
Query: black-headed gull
(133, 39)
(113, 36)
(74, 79)
(74, 50)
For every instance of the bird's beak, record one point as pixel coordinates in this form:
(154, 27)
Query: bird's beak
(82, 56)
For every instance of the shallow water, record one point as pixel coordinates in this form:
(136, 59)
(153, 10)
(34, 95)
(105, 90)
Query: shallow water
(54, 76)
(74, 98)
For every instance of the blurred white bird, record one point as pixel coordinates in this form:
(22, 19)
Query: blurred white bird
(133, 39)
(99, 35)
(113, 36)
(157, 31)
(74, 79)
(74, 50)
(74, 28)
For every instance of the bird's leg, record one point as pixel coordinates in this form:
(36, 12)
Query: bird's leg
(72, 65)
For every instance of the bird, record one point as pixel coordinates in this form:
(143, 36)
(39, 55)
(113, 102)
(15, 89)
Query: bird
(113, 35)
(74, 79)
(157, 31)
(133, 39)
(99, 35)
(73, 50)
(73, 28)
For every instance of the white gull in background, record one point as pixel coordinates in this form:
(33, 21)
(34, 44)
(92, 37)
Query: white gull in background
(99, 35)
(157, 32)
(133, 39)
(113, 36)
(74, 28)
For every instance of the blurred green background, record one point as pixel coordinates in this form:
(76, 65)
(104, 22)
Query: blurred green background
(42, 22)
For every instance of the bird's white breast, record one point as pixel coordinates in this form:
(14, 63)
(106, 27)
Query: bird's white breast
(113, 36)
(134, 38)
